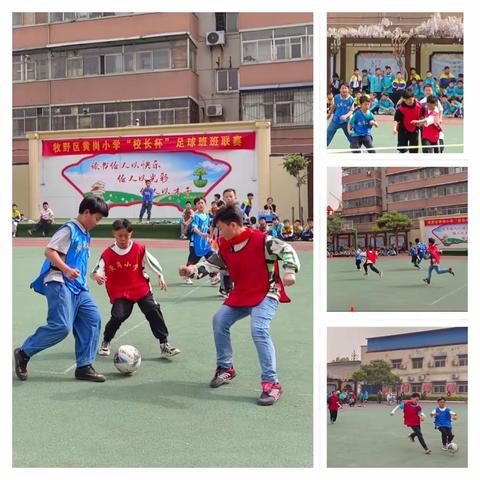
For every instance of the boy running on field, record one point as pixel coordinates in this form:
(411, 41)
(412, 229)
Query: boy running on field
(421, 251)
(359, 256)
(435, 262)
(443, 421)
(121, 269)
(414, 254)
(412, 417)
(370, 261)
(251, 258)
(333, 406)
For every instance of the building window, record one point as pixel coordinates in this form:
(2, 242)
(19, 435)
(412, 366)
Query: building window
(227, 22)
(416, 387)
(104, 115)
(347, 171)
(55, 17)
(353, 187)
(438, 387)
(363, 202)
(463, 360)
(439, 362)
(396, 364)
(292, 106)
(417, 362)
(167, 55)
(462, 387)
(227, 80)
(424, 173)
(429, 192)
(278, 44)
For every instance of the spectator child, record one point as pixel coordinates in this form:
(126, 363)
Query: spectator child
(297, 229)
(45, 221)
(307, 234)
(287, 231)
(277, 227)
(386, 106)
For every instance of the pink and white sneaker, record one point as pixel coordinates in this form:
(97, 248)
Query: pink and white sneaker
(271, 392)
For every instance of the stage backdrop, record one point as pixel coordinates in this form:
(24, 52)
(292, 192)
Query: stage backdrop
(181, 166)
(450, 233)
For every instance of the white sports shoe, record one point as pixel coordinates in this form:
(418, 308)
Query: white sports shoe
(188, 281)
(104, 349)
(167, 350)
(215, 280)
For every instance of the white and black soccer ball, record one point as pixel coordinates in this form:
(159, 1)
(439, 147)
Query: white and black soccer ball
(452, 447)
(127, 359)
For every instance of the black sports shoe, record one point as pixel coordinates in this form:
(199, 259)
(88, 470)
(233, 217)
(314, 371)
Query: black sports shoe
(21, 360)
(88, 373)
(222, 375)
(271, 392)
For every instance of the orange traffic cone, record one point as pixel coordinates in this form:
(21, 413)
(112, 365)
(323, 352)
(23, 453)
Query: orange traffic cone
(353, 309)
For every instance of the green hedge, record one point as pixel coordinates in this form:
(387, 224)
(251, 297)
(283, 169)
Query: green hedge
(104, 230)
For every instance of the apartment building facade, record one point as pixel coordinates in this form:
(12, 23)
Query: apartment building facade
(419, 192)
(431, 362)
(104, 70)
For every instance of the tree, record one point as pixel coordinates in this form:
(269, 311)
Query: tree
(296, 165)
(377, 372)
(200, 182)
(334, 225)
(341, 359)
(394, 222)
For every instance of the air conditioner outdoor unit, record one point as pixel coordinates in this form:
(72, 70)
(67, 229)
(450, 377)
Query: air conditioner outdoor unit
(421, 377)
(214, 110)
(411, 379)
(403, 367)
(455, 363)
(430, 365)
(85, 110)
(455, 376)
(215, 38)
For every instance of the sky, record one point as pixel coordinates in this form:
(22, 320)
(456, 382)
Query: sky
(343, 341)
(334, 186)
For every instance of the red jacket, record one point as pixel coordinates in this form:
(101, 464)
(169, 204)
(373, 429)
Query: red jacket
(434, 254)
(333, 402)
(407, 113)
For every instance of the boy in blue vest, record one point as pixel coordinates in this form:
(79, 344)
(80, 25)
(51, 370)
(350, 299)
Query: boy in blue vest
(147, 195)
(414, 254)
(251, 258)
(443, 417)
(360, 127)
(421, 251)
(63, 280)
(341, 110)
(359, 257)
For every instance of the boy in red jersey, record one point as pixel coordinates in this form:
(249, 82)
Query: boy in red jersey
(121, 269)
(412, 417)
(431, 126)
(408, 111)
(371, 257)
(435, 262)
(251, 258)
(333, 406)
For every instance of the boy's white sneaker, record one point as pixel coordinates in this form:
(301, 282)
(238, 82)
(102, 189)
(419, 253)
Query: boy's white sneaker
(188, 281)
(104, 349)
(167, 350)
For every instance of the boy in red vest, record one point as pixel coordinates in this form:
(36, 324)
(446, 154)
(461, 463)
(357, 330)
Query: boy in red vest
(121, 269)
(435, 262)
(371, 257)
(408, 111)
(251, 258)
(431, 126)
(412, 417)
(333, 406)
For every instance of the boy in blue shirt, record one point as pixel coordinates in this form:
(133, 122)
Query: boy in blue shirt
(374, 105)
(414, 254)
(430, 80)
(200, 242)
(386, 106)
(421, 251)
(360, 127)
(387, 81)
(341, 110)
(376, 83)
(443, 417)
(419, 91)
(458, 90)
(63, 280)
(147, 193)
(359, 257)
(450, 90)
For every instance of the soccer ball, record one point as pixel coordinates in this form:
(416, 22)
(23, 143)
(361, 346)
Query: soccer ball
(127, 359)
(452, 447)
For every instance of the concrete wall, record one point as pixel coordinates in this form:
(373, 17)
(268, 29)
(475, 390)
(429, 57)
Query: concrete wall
(20, 189)
(284, 191)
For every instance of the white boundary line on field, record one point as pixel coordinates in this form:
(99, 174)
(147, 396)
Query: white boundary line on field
(448, 294)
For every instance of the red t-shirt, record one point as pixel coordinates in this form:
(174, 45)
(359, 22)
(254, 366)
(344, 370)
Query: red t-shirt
(434, 254)
(333, 402)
